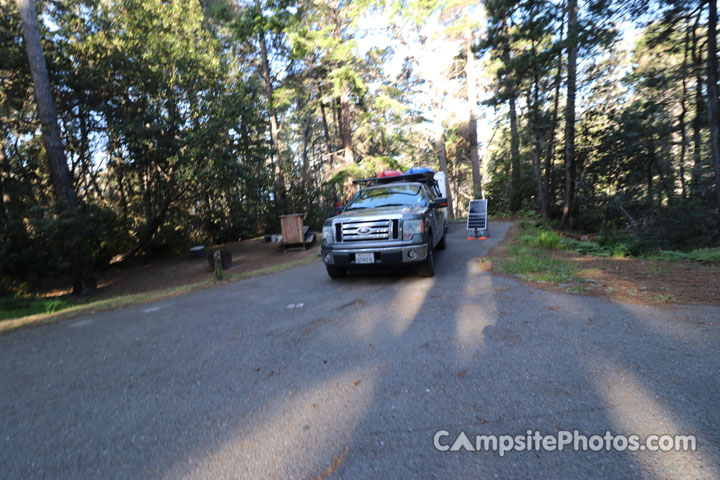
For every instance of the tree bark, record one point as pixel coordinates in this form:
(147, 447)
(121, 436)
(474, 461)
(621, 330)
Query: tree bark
(326, 131)
(274, 124)
(346, 129)
(537, 151)
(337, 118)
(696, 54)
(4, 197)
(712, 93)
(442, 158)
(435, 80)
(649, 175)
(567, 214)
(683, 113)
(667, 188)
(553, 126)
(515, 197)
(81, 258)
(471, 78)
(345, 126)
(306, 161)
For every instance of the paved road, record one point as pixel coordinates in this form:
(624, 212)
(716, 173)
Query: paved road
(356, 378)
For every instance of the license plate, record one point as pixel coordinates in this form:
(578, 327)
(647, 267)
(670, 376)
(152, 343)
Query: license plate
(363, 258)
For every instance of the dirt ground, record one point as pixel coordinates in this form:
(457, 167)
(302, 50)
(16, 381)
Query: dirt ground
(633, 280)
(169, 272)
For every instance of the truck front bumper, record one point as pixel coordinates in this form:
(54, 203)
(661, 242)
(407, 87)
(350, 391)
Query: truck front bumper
(383, 255)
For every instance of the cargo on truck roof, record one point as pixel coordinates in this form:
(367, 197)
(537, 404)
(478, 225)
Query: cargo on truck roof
(422, 177)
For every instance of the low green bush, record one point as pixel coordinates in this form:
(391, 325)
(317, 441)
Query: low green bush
(706, 254)
(527, 239)
(524, 225)
(610, 244)
(620, 250)
(16, 306)
(548, 239)
(586, 247)
(669, 256)
(702, 255)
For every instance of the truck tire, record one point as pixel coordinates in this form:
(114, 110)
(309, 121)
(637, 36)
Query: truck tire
(441, 244)
(427, 268)
(336, 272)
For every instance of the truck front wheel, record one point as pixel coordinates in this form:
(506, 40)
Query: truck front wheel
(427, 269)
(336, 272)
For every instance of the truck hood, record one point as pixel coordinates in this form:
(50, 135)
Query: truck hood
(382, 211)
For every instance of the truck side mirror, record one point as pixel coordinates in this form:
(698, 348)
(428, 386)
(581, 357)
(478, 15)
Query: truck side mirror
(439, 203)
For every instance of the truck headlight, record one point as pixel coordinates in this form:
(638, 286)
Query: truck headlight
(327, 233)
(411, 227)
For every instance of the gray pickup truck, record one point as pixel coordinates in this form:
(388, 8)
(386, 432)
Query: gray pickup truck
(390, 221)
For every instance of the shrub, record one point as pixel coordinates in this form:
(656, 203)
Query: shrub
(548, 239)
(17, 306)
(525, 225)
(670, 256)
(586, 247)
(527, 239)
(706, 254)
(620, 250)
(703, 255)
(679, 227)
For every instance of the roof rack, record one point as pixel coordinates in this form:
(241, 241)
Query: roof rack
(424, 177)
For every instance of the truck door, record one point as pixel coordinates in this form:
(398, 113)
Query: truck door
(436, 215)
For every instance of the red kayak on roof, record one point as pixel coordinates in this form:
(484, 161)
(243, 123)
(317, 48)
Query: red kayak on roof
(389, 173)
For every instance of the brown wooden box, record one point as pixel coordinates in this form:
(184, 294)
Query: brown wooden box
(292, 229)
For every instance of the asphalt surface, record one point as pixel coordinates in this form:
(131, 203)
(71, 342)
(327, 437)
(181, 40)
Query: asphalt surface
(294, 375)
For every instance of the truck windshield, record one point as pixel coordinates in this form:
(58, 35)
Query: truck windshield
(390, 196)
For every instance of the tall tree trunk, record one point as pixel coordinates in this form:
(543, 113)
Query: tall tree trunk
(471, 78)
(274, 124)
(683, 113)
(515, 196)
(712, 93)
(337, 118)
(344, 98)
(664, 183)
(567, 214)
(442, 158)
(4, 197)
(537, 151)
(326, 131)
(81, 257)
(121, 190)
(306, 161)
(696, 54)
(435, 80)
(649, 174)
(346, 129)
(548, 183)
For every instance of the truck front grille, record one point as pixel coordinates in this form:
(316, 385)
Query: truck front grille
(370, 230)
